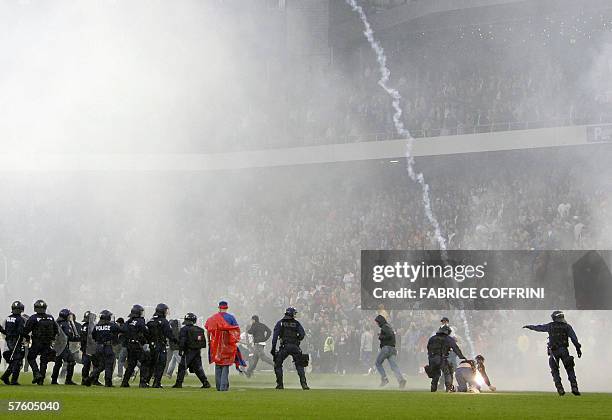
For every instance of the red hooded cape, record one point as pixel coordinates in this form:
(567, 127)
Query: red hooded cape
(224, 338)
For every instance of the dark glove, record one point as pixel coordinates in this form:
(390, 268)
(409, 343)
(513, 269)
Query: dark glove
(579, 352)
(526, 326)
(181, 353)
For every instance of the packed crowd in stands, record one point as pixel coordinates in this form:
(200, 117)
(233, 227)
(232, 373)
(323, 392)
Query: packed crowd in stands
(382, 5)
(531, 73)
(294, 238)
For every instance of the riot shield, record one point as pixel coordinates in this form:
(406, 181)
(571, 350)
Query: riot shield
(91, 344)
(61, 340)
(75, 346)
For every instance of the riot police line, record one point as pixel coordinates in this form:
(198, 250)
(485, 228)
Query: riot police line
(142, 344)
(145, 344)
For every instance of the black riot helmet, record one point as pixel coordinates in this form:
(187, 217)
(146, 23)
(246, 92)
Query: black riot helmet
(161, 309)
(17, 307)
(558, 316)
(190, 319)
(40, 307)
(291, 312)
(64, 314)
(105, 315)
(137, 311)
(445, 329)
(86, 316)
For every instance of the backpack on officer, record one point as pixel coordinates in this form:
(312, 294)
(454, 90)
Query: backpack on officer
(196, 337)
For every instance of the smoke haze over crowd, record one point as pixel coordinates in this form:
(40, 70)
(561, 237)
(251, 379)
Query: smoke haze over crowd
(161, 77)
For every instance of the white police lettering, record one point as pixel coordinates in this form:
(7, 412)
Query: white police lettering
(103, 327)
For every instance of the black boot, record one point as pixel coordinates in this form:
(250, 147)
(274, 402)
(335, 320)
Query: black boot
(279, 380)
(201, 376)
(303, 382)
(575, 389)
(180, 377)
(35, 376)
(5, 377)
(125, 384)
(560, 389)
(69, 374)
(108, 383)
(15, 378)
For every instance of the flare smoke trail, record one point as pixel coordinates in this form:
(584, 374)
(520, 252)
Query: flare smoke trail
(403, 132)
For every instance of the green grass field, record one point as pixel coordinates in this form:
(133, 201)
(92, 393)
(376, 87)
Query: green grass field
(256, 398)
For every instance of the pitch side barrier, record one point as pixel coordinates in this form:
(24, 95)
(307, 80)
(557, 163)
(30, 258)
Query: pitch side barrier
(389, 149)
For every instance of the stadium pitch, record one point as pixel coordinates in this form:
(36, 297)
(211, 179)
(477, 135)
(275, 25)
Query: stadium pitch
(256, 398)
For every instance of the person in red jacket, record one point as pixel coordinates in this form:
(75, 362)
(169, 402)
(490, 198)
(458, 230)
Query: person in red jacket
(223, 337)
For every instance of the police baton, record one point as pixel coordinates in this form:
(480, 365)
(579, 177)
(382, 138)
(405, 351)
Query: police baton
(15, 348)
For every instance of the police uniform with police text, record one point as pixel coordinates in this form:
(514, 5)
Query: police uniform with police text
(13, 329)
(135, 330)
(291, 333)
(104, 333)
(159, 332)
(559, 334)
(43, 328)
(438, 348)
(192, 339)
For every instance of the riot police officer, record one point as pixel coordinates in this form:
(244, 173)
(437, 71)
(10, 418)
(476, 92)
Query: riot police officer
(64, 354)
(558, 349)
(192, 339)
(135, 330)
(104, 333)
(291, 333)
(43, 328)
(87, 358)
(74, 344)
(13, 329)
(159, 332)
(438, 348)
